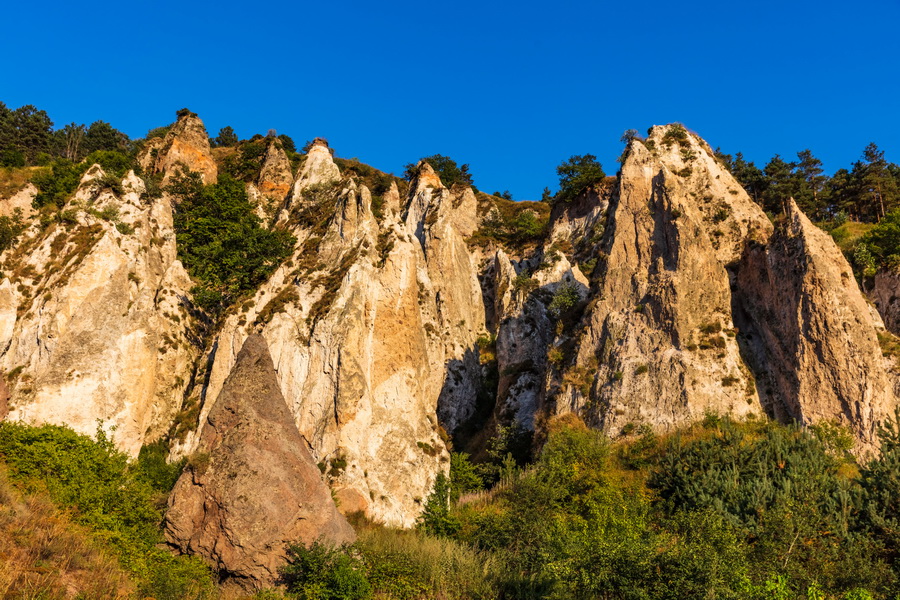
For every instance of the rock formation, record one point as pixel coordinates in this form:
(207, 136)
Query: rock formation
(185, 146)
(372, 326)
(94, 319)
(274, 181)
(252, 488)
(812, 332)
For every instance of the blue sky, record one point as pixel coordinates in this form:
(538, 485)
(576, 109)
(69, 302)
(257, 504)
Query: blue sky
(512, 88)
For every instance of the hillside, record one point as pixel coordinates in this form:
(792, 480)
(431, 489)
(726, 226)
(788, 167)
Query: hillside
(299, 326)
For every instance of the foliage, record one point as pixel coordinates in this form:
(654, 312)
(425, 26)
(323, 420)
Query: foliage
(10, 229)
(226, 138)
(450, 173)
(221, 241)
(58, 184)
(436, 518)
(322, 572)
(408, 565)
(576, 175)
(564, 299)
(464, 476)
(114, 499)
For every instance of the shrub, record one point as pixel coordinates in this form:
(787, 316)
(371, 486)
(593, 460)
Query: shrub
(322, 572)
(222, 242)
(118, 501)
(564, 299)
(436, 518)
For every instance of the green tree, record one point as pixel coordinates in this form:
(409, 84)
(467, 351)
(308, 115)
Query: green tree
(809, 172)
(447, 169)
(221, 241)
(436, 518)
(878, 183)
(577, 174)
(226, 138)
(101, 136)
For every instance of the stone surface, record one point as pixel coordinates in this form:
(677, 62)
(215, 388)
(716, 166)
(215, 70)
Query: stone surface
(94, 317)
(185, 146)
(372, 328)
(20, 201)
(252, 488)
(814, 337)
(658, 331)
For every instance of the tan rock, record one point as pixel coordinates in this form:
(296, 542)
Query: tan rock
(185, 146)
(20, 201)
(813, 333)
(93, 317)
(886, 296)
(252, 488)
(659, 331)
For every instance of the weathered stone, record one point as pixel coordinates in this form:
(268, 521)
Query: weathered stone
(252, 487)
(812, 332)
(185, 146)
(93, 317)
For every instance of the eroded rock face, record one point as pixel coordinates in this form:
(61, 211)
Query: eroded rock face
(94, 317)
(185, 146)
(814, 335)
(252, 488)
(19, 203)
(372, 327)
(274, 182)
(659, 332)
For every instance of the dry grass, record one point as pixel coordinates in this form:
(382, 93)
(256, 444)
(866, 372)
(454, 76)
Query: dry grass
(849, 233)
(43, 555)
(12, 179)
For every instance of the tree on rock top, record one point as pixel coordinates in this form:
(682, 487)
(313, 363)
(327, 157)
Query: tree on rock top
(576, 175)
(446, 168)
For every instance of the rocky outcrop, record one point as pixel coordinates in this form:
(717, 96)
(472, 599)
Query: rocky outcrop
(812, 332)
(185, 146)
(658, 332)
(252, 488)
(19, 203)
(886, 296)
(274, 181)
(94, 316)
(372, 327)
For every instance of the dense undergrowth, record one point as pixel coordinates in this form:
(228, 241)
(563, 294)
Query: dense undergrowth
(717, 510)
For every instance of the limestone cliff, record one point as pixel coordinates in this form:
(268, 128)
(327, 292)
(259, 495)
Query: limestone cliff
(372, 327)
(813, 334)
(94, 319)
(658, 331)
(252, 488)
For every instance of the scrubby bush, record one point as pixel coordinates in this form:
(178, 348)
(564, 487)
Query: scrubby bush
(116, 500)
(576, 175)
(323, 572)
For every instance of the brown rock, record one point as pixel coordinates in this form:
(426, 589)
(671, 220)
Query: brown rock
(253, 487)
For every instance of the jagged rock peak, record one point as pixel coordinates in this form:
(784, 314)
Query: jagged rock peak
(692, 171)
(426, 177)
(275, 177)
(185, 146)
(812, 331)
(253, 488)
(318, 168)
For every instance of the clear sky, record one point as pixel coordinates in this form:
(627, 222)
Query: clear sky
(512, 88)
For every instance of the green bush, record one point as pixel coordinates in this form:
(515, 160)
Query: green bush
(322, 572)
(118, 501)
(576, 175)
